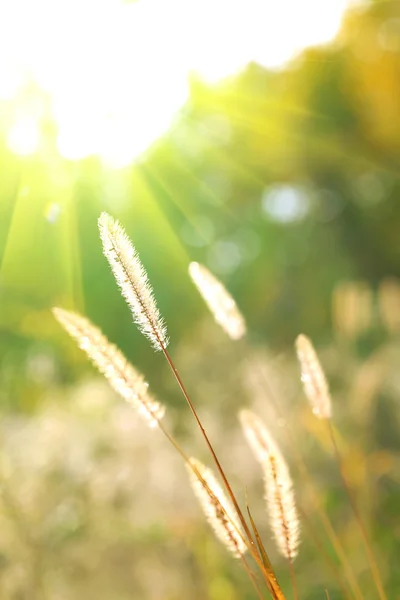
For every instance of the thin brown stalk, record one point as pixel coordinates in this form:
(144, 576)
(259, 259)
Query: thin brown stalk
(293, 579)
(274, 588)
(122, 376)
(186, 459)
(263, 553)
(201, 479)
(371, 558)
(272, 584)
(135, 287)
(188, 462)
(210, 447)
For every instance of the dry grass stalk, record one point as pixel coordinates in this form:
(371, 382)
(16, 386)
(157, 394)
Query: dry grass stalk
(216, 507)
(313, 378)
(219, 301)
(131, 277)
(280, 499)
(108, 359)
(135, 288)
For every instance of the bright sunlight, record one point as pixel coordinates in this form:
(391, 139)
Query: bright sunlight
(114, 74)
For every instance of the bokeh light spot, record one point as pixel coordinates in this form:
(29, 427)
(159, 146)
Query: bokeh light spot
(285, 203)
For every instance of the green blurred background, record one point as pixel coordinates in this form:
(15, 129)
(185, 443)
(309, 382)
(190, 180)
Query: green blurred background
(285, 183)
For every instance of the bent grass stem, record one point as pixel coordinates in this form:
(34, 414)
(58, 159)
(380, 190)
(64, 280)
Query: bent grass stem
(271, 582)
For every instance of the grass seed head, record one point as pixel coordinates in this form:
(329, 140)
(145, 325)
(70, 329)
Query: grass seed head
(216, 507)
(132, 280)
(219, 301)
(110, 361)
(279, 494)
(314, 382)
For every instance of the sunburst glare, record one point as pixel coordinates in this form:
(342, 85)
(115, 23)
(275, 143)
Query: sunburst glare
(116, 73)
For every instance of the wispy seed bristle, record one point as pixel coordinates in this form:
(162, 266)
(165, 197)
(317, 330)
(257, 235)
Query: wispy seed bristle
(216, 507)
(110, 361)
(132, 280)
(313, 378)
(219, 301)
(280, 498)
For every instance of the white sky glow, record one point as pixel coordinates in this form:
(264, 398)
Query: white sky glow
(116, 73)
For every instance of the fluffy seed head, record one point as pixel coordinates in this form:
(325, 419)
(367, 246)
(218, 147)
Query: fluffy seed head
(313, 378)
(257, 435)
(132, 280)
(216, 507)
(219, 301)
(279, 493)
(108, 359)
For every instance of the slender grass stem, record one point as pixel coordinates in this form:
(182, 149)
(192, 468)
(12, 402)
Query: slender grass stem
(256, 558)
(271, 582)
(293, 578)
(211, 449)
(188, 462)
(371, 558)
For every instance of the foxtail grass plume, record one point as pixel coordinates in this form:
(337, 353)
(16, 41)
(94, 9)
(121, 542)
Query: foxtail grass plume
(132, 280)
(280, 498)
(314, 382)
(219, 301)
(108, 359)
(216, 507)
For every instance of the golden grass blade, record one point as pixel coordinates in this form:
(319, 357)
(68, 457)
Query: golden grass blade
(108, 359)
(280, 499)
(132, 280)
(313, 378)
(272, 581)
(263, 553)
(216, 507)
(219, 301)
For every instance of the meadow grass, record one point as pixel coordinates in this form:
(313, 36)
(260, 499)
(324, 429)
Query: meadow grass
(220, 504)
